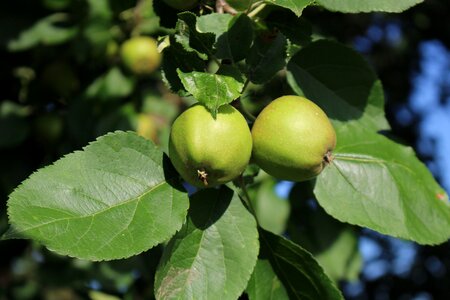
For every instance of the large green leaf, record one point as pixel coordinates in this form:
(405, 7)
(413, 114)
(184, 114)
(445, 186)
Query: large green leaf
(376, 183)
(114, 199)
(340, 81)
(265, 284)
(214, 254)
(355, 6)
(296, 6)
(300, 274)
(213, 90)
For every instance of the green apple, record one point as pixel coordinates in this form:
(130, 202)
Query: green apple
(207, 151)
(140, 55)
(181, 4)
(293, 139)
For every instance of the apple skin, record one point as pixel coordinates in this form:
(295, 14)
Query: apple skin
(181, 4)
(293, 139)
(140, 55)
(220, 148)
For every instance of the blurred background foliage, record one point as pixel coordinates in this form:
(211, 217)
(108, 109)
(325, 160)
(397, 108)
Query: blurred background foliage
(63, 85)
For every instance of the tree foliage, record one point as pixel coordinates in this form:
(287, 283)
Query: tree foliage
(106, 190)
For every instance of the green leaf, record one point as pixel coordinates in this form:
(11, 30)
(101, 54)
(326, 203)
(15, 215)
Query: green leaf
(46, 31)
(177, 57)
(215, 23)
(266, 57)
(114, 199)
(355, 6)
(191, 39)
(213, 255)
(300, 274)
(212, 90)
(265, 284)
(377, 183)
(272, 211)
(296, 6)
(113, 85)
(100, 9)
(340, 81)
(296, 29)
(235, 43)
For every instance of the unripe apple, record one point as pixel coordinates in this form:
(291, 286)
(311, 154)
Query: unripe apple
(207, 151)
(146, 127)
(140, 55)
(181, 4)
(293, 139)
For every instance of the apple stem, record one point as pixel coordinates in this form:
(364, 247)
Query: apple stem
(223, 7)
(328, 158)
(203, 176)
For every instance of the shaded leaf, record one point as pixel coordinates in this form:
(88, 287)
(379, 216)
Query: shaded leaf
(114, 199)
(265, 284)
(177, 57)
(296, 29)
(300, 274)
(332, 243)
(191, 39)
(340, 81)
(377, 183)
(266, 57)
(213, 256)
(235, 43)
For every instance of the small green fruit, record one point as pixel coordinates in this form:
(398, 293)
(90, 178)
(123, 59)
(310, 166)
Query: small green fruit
(181, 4)
(293, 139)
(140, 55)
(207, 151)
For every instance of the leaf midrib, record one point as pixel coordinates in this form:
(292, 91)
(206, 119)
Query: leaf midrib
(96, 213)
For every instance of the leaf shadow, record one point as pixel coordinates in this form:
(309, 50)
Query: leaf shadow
(171, 175)
(208, 205)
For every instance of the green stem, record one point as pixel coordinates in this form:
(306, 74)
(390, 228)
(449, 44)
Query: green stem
(246, 197)
(242, 108)
(256, 10)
